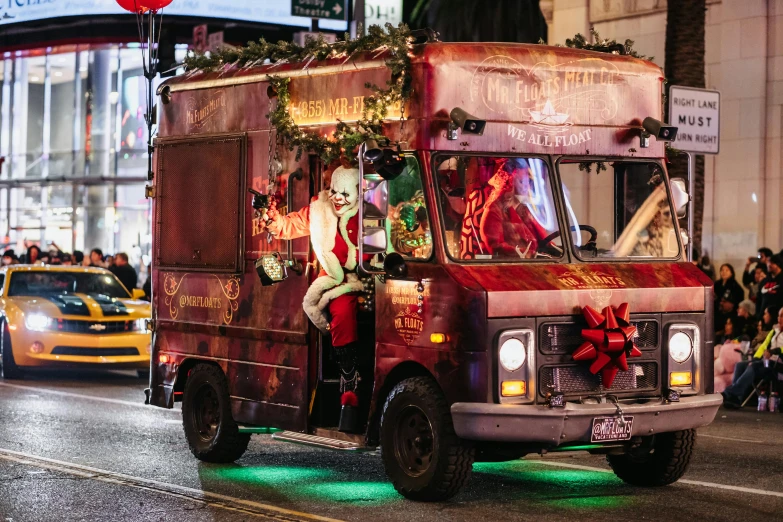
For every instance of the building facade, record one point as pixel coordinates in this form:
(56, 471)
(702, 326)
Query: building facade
(73, 99)
(743, 207)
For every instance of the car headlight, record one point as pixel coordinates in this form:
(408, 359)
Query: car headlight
(680, 347)
(512, 354)
(37, 322)
(140, 325)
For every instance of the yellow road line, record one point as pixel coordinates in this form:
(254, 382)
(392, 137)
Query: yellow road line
(257, 509)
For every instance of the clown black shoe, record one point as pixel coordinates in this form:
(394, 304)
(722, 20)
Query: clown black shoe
(349, 414)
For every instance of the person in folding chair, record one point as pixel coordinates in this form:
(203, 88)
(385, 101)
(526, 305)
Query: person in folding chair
(766, 364)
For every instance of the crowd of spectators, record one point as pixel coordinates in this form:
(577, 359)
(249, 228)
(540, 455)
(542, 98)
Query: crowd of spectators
(119, 263)
(749, 330)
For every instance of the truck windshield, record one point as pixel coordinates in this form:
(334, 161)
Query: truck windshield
(618, 209)
(497, 208)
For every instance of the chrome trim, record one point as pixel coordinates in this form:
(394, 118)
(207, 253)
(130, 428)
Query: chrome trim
(529, 367)
(695, 335)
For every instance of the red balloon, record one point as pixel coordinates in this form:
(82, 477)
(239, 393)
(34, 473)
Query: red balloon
(134, 6)
(154, 5)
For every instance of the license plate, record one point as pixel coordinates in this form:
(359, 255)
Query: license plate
(608, 429)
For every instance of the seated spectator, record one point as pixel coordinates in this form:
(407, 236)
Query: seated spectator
(762, 330)
(747, 312)
(733, 330)
(728, 294)
(759, 275)
(748, 276)
(148, 284)
(96, 258)
(705, 265)
(33, 255)
(762, 366)
(124, 271)
(9, 258)
(771, 290)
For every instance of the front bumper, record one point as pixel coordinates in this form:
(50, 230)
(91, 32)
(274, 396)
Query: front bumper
(555, 426)
(24, 357)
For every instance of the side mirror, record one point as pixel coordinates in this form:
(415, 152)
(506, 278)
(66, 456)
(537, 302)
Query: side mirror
(680, 196)
(376, 198)
(395, 267)
(374, 241)
(138, 293)
(271, 269)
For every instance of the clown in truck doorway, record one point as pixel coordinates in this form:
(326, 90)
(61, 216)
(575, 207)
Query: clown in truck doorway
(332, 222)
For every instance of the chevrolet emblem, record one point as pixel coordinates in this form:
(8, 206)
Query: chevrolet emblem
(98, 327)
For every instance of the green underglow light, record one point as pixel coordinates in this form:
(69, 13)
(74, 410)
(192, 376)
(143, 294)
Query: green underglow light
(270, 476)
(351, 492)
(258, 429)
(530, 471)
(593, 502)
(578, 448)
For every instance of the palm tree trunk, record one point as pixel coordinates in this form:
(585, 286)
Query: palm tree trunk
(685, 66)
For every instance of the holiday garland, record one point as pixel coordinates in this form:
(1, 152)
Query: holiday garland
(603, 45)
(395, 42)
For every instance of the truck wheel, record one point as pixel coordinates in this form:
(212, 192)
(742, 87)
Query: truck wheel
(9, 368)
(212, 434)
(422, 455)
(661, 459)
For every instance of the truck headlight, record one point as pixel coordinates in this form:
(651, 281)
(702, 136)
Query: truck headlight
(512, 354)
(680, 347)
(37, 322)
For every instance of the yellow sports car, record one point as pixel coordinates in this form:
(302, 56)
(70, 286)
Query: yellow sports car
(55, 316)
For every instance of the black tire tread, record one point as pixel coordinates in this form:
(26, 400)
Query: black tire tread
(666, 465)
(459, 454)
(229, 445)
(8, 367)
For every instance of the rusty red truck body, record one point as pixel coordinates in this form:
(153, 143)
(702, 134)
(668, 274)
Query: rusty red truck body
(485, 316)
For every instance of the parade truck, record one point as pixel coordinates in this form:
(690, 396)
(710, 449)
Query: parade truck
(525, 286)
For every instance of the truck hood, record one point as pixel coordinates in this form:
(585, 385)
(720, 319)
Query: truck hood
(539, 290)
(82, 306)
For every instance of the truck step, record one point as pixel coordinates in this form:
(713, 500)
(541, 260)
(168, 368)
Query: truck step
(320, 442)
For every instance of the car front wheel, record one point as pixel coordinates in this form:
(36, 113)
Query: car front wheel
(7, 364)
(421, 453)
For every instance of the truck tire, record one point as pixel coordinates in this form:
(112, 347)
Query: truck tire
(210, 429)
(422, 455)
(660, 462)
(7, 364)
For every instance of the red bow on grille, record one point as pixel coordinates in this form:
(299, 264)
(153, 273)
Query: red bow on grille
(609, 341)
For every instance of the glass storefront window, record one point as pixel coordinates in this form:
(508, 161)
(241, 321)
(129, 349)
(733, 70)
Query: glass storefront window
(77, 114)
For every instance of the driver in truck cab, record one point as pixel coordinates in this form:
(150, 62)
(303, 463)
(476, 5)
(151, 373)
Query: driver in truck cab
(332, 222)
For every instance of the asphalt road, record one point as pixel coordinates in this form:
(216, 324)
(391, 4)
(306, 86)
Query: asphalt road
(82, 446)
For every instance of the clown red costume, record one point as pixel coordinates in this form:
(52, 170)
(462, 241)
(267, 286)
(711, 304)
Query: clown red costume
(332, 223)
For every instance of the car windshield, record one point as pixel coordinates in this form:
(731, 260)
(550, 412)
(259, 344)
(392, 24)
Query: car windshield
(35, 283)
(618, 210)
(497, 208)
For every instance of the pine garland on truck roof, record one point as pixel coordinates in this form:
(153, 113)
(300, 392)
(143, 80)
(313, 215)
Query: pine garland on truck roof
(395, 43)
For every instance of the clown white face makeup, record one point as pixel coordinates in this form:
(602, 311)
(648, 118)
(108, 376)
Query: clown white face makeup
(344, 190)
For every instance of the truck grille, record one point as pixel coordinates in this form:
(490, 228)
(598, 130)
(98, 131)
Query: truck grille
(93, 327)
(565, 338)
(577, 379)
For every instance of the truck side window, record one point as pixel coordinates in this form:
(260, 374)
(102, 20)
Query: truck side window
(409, 221)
